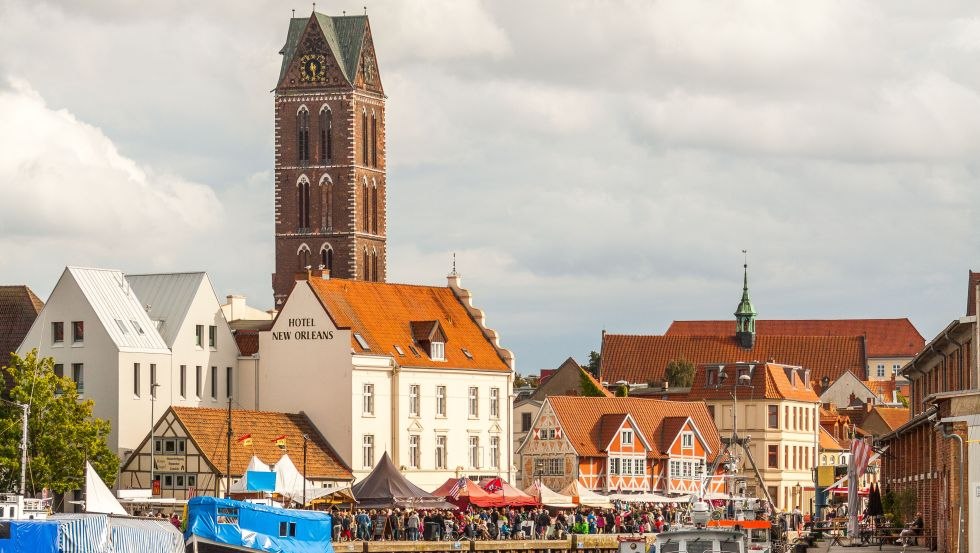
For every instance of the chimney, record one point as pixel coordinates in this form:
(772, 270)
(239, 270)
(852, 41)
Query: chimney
(868, 403)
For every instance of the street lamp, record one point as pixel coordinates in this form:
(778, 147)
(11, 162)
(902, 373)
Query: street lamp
(153, 420)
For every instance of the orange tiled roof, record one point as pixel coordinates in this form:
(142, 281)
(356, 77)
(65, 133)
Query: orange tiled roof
(248, 342)
(885, 337)
(609, 424)
(383, 314)
(827, 442)
(209, 430)
(19, 307)
(582, 420)
(641, 359)
(893, 416)
(769, 381)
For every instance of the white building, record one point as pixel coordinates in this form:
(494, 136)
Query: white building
(411, 370)
(115, 334)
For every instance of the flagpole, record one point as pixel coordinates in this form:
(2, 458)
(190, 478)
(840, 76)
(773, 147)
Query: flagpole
(228, 465)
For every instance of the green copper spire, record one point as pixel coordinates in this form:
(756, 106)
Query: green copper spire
(745, 313)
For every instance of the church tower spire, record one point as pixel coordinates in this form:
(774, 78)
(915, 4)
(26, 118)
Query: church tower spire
(745, 313)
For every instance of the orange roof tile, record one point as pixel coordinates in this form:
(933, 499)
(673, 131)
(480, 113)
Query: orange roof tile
(248, 342)
(19, 307)
(768, 380)
(827, 442)
(885, 337)
(208, 428)
(582, 420)
(609, 425)
(383, 314)
(641, 359)
(893, 416)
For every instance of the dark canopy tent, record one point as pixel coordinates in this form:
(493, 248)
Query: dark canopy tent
(386, 487)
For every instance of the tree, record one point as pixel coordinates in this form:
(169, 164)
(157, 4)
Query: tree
(680, 373)
(587, 385)
(62, 433)
(595, 361)
(623, 390)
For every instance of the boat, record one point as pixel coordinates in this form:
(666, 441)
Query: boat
(17, 507)
(710, 532)
(217, 524)
(701, 540)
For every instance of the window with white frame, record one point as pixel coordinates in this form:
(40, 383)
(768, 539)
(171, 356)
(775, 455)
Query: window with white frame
(367, 450)
(368, 399)
(614, 465)
(880, 370)
(494, 451)
(440, 401)
(555, 466)
(475, 452)
(494, 403)
(440, 451)
(413, 400)
(687, 440)
(627, 465)
(438, 351)
(413, 451)
(626, 437)
(474, 402)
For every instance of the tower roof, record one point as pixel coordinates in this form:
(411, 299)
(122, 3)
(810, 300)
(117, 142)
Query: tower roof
(745, 308)
(344, 35)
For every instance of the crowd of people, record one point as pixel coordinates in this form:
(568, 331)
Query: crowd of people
(501, 523)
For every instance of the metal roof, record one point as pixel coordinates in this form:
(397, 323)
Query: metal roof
(112, 299)
(344, 35)
(167, 297)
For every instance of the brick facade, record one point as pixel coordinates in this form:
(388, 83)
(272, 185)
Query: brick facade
(330, 177)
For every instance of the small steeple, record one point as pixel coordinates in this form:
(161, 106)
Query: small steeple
(745, 313)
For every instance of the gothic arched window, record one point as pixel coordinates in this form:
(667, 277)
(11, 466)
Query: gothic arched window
(374, 207)
(374, 140)
(366, 265)
(304, 256)
(364, 136)
(326, 202)
(303, 135)
(326, 135)
(366, 208)
(374, 264)
(303, 203)
(326, 258)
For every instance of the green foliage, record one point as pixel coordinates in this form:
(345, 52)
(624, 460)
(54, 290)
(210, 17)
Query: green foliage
(62, 434)
(521, 381)
(680, 373)
(623, 390)
(904, 400)
(899, 505)
(587, 385)
(595, 360)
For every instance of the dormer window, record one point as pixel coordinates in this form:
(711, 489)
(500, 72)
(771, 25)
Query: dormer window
(428, 335)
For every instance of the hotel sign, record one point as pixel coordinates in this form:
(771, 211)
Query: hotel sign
(302, 329)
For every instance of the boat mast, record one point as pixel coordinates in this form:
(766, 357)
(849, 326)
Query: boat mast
(23, 450)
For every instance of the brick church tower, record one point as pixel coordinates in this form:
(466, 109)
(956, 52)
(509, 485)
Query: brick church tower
(330, 153)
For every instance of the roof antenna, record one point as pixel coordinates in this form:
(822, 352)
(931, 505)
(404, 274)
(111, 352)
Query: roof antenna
(294, 14)
(454, 273)
(314, 6)
(365, 10)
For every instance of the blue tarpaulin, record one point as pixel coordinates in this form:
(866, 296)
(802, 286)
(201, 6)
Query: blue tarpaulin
(30, 535)
(260, 481)
(259, 527)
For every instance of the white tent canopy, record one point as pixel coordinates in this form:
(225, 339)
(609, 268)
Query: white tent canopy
(549, 497)
(290, 482)
(255, 464)
(586, 497)
(98, 498)
(648, 497)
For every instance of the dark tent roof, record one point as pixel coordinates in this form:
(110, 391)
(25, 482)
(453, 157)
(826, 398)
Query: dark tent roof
(386, 487)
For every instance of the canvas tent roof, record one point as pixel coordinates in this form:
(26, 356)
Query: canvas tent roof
(386, 487)
(584, 496)
(549, 497)
(471, 493)
(511, 496)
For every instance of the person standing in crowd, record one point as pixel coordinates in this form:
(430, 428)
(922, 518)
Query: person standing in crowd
(412, 526)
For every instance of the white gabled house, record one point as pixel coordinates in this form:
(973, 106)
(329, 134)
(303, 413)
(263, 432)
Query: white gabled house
(116, 334)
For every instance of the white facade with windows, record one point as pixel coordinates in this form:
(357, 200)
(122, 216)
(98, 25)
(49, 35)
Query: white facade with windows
(435, 420)
(129, 341)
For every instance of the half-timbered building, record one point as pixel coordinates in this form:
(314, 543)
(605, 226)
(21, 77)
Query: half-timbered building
(621, 444)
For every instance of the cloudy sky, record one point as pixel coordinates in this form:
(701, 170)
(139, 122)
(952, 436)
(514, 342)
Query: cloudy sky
(594, 165)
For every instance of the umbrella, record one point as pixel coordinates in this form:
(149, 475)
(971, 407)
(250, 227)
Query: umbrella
(875, 507)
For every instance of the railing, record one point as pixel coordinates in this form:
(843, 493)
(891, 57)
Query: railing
(602, 543)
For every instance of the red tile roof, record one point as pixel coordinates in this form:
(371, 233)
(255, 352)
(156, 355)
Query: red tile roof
(583, 420)
(827, 442)
(19, 307)
(248, 342)
(609, 425)
(642, 359)
(893, 416)
(383, 314)
(885, 337)
(209, 427)
(768, 380)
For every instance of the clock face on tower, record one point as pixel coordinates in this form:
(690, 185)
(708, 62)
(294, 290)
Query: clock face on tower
(312, 68)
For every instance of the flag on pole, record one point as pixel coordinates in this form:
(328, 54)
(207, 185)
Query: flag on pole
(494, 485)
(245, 440)
(457, 488)
(860, 456)
(280, 441)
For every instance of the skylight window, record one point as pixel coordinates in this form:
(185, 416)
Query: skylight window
(136, 325)
(361, 341)
(415, 351)
(467, 353)
(122, 326)
(399, 350)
